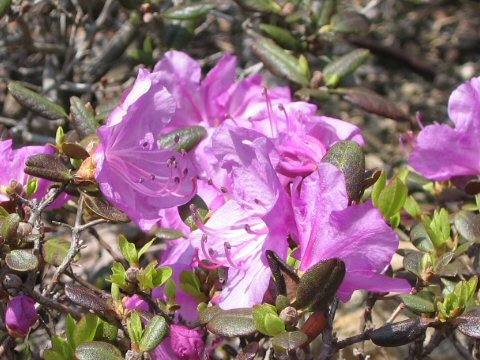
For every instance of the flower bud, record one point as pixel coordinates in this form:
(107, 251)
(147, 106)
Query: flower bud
(186, 343)
(21, 315)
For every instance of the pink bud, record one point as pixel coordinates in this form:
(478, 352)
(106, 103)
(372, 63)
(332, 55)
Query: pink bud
(21, 315)
(187, 343)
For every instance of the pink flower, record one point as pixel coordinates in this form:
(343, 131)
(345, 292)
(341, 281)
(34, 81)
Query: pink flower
(135, 302)
(186, 343)
(134, 172)
(442, 152)
(254, 220)
(14, 164)
(21, 315)
(329, 228)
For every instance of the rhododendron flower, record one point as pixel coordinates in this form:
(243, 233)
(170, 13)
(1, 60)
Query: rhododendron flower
(256, 219)
(21, 315)
(134, 172)
(329, 228)
(442, 152)
(13, 169)
(186, 343)
(135, 302)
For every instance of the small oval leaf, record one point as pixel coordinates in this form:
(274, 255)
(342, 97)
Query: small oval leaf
(48, 167)
(154, 333)
(95, 350)
(469, 323)
(184, 139)
(21, 260)
(417, 303)
(55, 250)
(85, 298)
(82, 119)
(74, 151)
(36, 102)
(10, 227)
(188, 12)
(289, 341)
(234, 322)
(349, 22)
(102, 208)
(468, 225)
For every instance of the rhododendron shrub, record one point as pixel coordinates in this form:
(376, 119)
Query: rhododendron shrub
(255, 219)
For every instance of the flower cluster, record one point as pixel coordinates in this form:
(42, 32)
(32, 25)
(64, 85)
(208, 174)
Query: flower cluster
(259, 170)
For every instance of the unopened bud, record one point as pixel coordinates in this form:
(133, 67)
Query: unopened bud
(132, 275)
(289, 315)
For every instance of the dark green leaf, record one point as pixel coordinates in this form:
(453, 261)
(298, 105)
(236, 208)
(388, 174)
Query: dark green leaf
(231, 323)
(374, 103)
(102, 208)
(188, 12)
(289, 341)
(74, 151)
(21, 260)
(85, 297)
(278, 61)
(319, 284)
(326, 12)
(209, 313)
(95, 350)
(36, 102)
(282, 36)
(4, 7)
(61, 346)
(134, 326)
(53, 355)
(398, 334)
(335, 71)
(195, 209)
(169, 234)
(349, 22)
(184, 139)
(155, 332)
(83, 119)
(417, 303)
(348, 157)
(48, 167)
(419, 237)
(468, 225)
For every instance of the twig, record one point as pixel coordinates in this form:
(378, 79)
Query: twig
(396, 312)
(462, 350)
(51, 303)
(329, 339)
(435, 340)
(109, 249)
(7, 343)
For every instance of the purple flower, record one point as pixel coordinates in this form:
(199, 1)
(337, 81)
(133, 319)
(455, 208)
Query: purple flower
(329, 228)
(134, 172)
(13, 165)
(258, 218)
(442, 152)
(186, 343)
(21, 315)
(135, 302)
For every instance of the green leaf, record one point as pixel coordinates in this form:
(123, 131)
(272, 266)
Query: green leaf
(21, 260)
(62, 347)
(170, 290)
(134, 326)
(36, 102)
(53, 355)
(155, 332)
(95, 350)
(85, 329)
(10, 227)
(392, 198)
(103, 208)
(169, 234)
(335, 71)
(420, 238)
(378, 187)
(161, 275)
(129, 251)
(267, 320)
(440, 225)
(326, 12)
(184, 139)
(260, 5)
(190, 283)
(188, 12)
(412, 208)
(70, 329)
(468, 225)
(418, 303)
(278, 61)
(83, 118)
(206, 315)
(348, 157)
(60, 136)
(106, 331)
(54, 251)
(4, 7)
(145, 248)
(282, 36)
(32, 187)
(349, 22)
